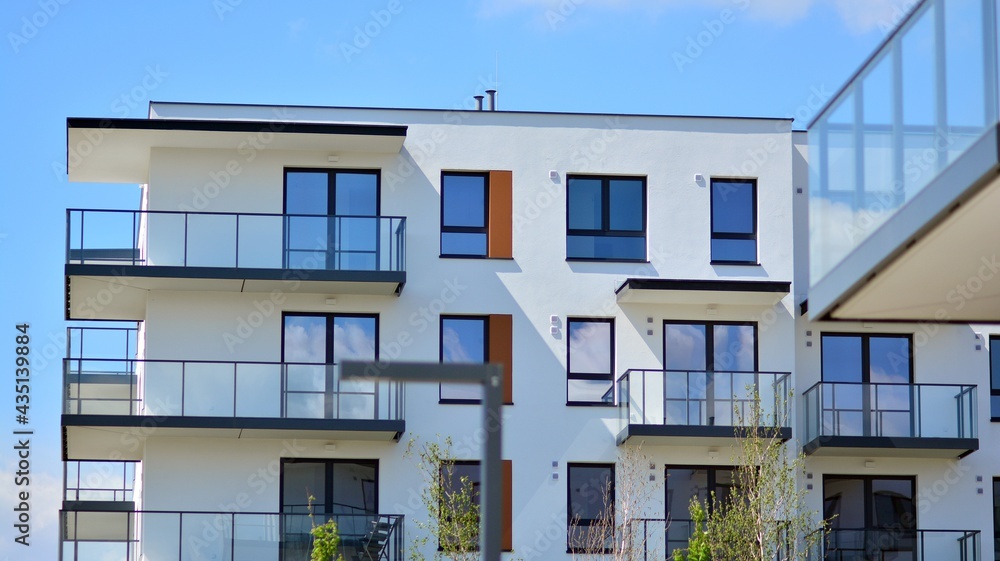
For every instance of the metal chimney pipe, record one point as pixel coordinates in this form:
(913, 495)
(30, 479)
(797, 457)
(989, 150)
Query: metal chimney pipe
(493, 100)
(479, 102)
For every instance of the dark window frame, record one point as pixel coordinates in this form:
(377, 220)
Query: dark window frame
(466, 229)
(869, 496)
(994, 392)
(712, 481)
(328, 475)
(587, 375)
(996, 518)
(486, 351)
(710, 342)
(865, 352)
(731, 235)
(332, 186)
(605, 230)
(570, 524)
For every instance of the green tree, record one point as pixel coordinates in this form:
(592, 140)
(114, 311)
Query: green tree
(699, 546)
(765, 512)
(450, 503)
(325, 538)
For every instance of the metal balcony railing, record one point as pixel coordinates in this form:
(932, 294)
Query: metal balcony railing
(700, 398)
(896, 543)
(235, 240)
(225, 389)
(98, 481)
(926, 95)
(222, 536)
(890, 410)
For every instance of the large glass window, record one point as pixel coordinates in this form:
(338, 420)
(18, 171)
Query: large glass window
(463, 339)
(734, 221)
(996, 518)
(870, 516)
(606, 218)
(590, 362)
(331, 219)
(995, 377)
(591, 507)
(713, 368)
(683, 485)
(850, 406)
(311, 385)
(464, 214)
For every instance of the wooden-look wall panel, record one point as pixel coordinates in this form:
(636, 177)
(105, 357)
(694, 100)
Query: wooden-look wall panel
(501, 237)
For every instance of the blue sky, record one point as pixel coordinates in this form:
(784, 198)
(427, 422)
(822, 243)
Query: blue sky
(62, 58)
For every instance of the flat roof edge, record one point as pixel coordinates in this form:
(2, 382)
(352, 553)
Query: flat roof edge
(212, 125)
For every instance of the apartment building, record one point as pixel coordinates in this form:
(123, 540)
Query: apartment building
(633, 274)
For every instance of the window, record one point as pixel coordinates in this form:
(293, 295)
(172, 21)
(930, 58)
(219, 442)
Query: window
(347, 241)
(880, 502)
(452, 476)
(684, 484)
(476, 214)
(734, 221)
(995, 378)
(478, 340)
(312, 343)
(338, 486)
(590, 507)
(996, 518)
(885, 408)
(606, 218)
(590, 362)
(718, 361)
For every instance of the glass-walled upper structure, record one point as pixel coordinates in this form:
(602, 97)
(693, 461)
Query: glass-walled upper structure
(912, 117)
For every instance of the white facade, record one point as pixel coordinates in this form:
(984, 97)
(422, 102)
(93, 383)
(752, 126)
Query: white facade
(238, 469)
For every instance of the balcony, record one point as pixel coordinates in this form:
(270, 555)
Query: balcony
(904, 181)
(890, 420)
(106, 400)
(103, 486)
(114, 257)
(911, 545)
(683, 408)
(222, 536)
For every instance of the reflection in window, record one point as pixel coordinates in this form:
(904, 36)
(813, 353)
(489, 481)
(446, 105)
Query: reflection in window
(464, 208)
(311, 386)
(606, 218)
(995, 377)
(684, 484)
(591, 509)
(590, 361)
(734, 221)
(331, 219)
(463, 340)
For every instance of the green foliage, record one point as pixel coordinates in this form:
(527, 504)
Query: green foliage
(699, 547)
(450, 502)
(764, 512)
(325, 539)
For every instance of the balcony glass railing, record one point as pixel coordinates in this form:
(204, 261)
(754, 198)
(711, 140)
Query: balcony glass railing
(235, 240)
(898, 543)
(222, 536)
(225, 389)
(101, 341)
(922, 99)
(98, 481)
(699, 398)
(890, 410)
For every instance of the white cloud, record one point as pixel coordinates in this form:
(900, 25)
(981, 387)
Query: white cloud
(862, 16)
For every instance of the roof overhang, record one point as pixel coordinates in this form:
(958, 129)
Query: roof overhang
(936, 259)
(702, 292)
(117, 150)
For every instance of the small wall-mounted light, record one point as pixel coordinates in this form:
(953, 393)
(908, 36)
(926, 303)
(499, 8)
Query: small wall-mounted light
(699, 178)
(712, 310)
(553, 174)
(333, 158)
(554, 319)
(869, 464)
(553, 330)
(330, 446)
(713, 453)
(331, 301)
